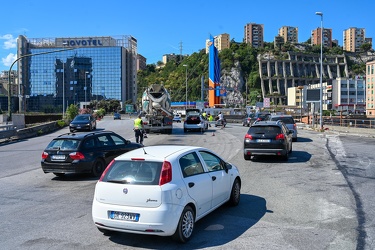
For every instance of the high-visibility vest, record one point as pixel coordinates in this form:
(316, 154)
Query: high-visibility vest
(138, 123)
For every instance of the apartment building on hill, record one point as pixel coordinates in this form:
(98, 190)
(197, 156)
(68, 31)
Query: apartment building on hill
(254, 34)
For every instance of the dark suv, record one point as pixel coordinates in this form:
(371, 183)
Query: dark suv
(251, 118)
(88, 152)
(268, 138)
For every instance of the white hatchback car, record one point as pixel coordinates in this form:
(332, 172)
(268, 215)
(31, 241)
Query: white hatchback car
(163, 190)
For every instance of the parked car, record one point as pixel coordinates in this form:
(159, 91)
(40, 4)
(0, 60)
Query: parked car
(259, 116)
(247, 120)
(116, 116)
(289, 122)
(194, 121)
(268, 138)
(83, 122)
(85, 152)
(163, 190)
(177, 118)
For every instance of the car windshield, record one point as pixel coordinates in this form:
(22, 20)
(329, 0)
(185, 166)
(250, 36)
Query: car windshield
(286, 120)
(264, 130)
(134, 172)
(63, 144)
(81, 118)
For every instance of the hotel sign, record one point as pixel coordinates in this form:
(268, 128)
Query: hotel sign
(85, 42)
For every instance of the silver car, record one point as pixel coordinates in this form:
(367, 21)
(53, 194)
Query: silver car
(289, 122)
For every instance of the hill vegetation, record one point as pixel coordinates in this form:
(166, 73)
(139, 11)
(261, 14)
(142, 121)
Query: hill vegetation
(174, 74)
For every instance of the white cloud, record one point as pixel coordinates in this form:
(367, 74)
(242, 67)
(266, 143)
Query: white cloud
(7, 61)
(10, 42)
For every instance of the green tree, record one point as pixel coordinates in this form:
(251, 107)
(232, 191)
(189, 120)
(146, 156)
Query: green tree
(72, 111)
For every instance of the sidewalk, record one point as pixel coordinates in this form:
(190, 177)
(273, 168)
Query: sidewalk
(366, 132)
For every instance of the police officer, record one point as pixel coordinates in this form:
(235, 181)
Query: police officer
(138, 129)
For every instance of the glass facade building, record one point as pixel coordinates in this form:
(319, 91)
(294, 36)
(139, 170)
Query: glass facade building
(56, 73)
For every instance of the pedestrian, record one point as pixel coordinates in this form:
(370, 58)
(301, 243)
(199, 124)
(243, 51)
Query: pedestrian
(210, 119)
(221, 119)
(138, 129)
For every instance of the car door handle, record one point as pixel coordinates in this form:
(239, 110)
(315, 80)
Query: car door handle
(191, 184)
(213, 178)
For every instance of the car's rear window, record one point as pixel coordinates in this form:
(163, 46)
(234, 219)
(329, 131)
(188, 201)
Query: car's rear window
(264, 130)
(134, 172)
(286, 120)
(63, 144)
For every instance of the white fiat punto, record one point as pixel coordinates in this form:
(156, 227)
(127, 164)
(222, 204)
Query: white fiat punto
(163, 190)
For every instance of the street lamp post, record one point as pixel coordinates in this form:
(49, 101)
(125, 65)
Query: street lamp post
(301, 100)
(10, 70)
(186, 89)
(63, 92)
(86, 72)
(321, 69)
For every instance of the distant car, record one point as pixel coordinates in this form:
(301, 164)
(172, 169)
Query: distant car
(247, 120)
(116, 116)
(84, 152)
(177, 118)
(163, 190)
(268, 138)
(83, 122)
(289, 122)
(195, 122)
(259, 116)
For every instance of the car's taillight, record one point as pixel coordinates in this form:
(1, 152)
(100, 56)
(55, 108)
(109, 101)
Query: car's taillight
(247, 136)
(280, 137)
(77, 156)
(166, 173)
(44, 155)
(294, 126)
(106, 169)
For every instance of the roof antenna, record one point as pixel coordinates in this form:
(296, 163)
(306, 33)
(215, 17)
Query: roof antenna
(144, 151)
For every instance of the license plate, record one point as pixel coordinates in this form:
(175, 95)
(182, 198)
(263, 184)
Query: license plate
(263, 140)
(123, 216)
(58, 157)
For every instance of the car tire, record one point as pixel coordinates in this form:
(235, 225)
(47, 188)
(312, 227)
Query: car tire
(286, 156)
(294, 139)
(71, 130)
(185, 130)
(247, 157)
(235, 193)
(185, 225)
(59, 174)
(97, 168)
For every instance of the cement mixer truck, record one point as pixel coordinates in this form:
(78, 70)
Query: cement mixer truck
(157, 114)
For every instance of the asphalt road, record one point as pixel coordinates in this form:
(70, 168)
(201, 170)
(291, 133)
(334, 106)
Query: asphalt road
(305, 203)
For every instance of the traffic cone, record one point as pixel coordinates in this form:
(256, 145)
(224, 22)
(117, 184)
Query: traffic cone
(213, 134)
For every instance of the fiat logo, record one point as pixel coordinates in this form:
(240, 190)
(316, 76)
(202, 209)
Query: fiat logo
(125, 190)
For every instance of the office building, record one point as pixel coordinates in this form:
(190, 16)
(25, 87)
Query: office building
(290, 34)
(327, 37)
(370, 80)
(89, 68)
(254, 34)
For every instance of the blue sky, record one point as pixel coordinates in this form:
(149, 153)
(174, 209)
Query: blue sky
(161, 27)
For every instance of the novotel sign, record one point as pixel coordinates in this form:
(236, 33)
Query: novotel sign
(86, 41)
(83, 42)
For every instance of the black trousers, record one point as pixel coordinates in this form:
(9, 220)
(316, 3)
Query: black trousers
(138, 136)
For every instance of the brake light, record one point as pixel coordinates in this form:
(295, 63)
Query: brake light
(137, 159)
(166, 173)
(77, 156)
(259, 119)
(44, 155)
(247, 136)
(280, 137)
(106, 169)
(294, 125)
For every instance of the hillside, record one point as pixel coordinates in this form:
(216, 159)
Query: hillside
(239, 71)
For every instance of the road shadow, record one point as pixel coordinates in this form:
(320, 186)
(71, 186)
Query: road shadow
(303, 139)
(218, 228)
(294, 157)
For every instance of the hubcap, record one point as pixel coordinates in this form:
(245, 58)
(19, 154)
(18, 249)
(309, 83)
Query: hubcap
(188, 224)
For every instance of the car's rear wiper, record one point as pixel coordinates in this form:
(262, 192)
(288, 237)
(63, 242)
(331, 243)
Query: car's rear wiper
(119, 181)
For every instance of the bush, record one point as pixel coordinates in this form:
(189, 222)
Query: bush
(61, 123)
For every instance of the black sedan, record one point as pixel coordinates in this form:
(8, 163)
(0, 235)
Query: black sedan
(268, 138)
(86, 152)
(83, 122)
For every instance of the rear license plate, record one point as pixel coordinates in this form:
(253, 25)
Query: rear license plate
(263, 140)
(123, 216)
(58, 157)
